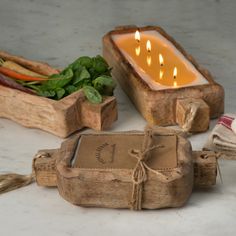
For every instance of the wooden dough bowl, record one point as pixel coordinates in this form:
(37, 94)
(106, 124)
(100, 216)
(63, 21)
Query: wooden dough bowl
(168, 106)
(62, 117)
(96, 182)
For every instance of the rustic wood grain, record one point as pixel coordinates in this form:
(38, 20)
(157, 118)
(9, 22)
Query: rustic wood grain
(205, 168)
(192, 114)
(112, 188)
(62, 117)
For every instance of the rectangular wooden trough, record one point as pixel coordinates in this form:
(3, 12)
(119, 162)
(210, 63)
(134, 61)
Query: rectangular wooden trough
(190, 104)
(135, 170)
(62, 117)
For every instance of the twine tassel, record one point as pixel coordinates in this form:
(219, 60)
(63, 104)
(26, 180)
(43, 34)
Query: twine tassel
(218, 166)
(11, 181)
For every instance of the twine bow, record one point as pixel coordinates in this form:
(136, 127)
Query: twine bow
(139, 175)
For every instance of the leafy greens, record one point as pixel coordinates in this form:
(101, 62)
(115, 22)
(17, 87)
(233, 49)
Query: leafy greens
(92, 74)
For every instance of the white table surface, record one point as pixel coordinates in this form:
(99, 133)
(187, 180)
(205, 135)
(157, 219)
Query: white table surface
(58, 32)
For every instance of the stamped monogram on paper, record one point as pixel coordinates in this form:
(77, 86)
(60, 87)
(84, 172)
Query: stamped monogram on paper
(105, 153)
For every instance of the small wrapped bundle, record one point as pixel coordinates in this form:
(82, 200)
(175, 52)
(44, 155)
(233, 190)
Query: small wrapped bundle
(137, 170)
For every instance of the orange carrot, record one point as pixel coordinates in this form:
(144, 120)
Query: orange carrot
(15, 75)
(11, 65)
(39, 67)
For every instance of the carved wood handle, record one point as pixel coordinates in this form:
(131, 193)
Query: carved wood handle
(98, 116)
(205, 168)
(192, 114)
(44, 166)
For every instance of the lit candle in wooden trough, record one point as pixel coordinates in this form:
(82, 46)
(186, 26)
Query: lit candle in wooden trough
(164, 82)
(149, 56)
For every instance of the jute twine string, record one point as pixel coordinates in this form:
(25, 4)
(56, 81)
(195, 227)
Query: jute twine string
(218, 155)
(139, 175)
(12, 181)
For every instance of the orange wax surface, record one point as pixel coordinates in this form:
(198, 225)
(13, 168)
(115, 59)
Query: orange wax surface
(147, 62)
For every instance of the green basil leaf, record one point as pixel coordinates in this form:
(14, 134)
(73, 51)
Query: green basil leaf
(85, 61)
(79, 75)
(104, 84)
(75, 66)
(100, 65)
(108, 72)
(93, 73)
(60, 93)
(64, 72)
(58, 80)
(47, 93)
(92, 94)
(101, 59)
(71, 89)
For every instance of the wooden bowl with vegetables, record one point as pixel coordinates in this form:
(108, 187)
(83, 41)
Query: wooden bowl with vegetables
(36, 95)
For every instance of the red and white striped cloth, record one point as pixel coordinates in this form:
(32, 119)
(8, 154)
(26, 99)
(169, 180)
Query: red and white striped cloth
(226, 121)
(223, 137)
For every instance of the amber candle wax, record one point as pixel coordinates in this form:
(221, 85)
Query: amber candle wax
(159, 63)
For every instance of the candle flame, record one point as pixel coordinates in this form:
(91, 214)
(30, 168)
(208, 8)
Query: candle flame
(149, 60)
(148, 46)
(161, 60)
(137, 36)
(137, 51)
(175, 73)
(161, 73)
